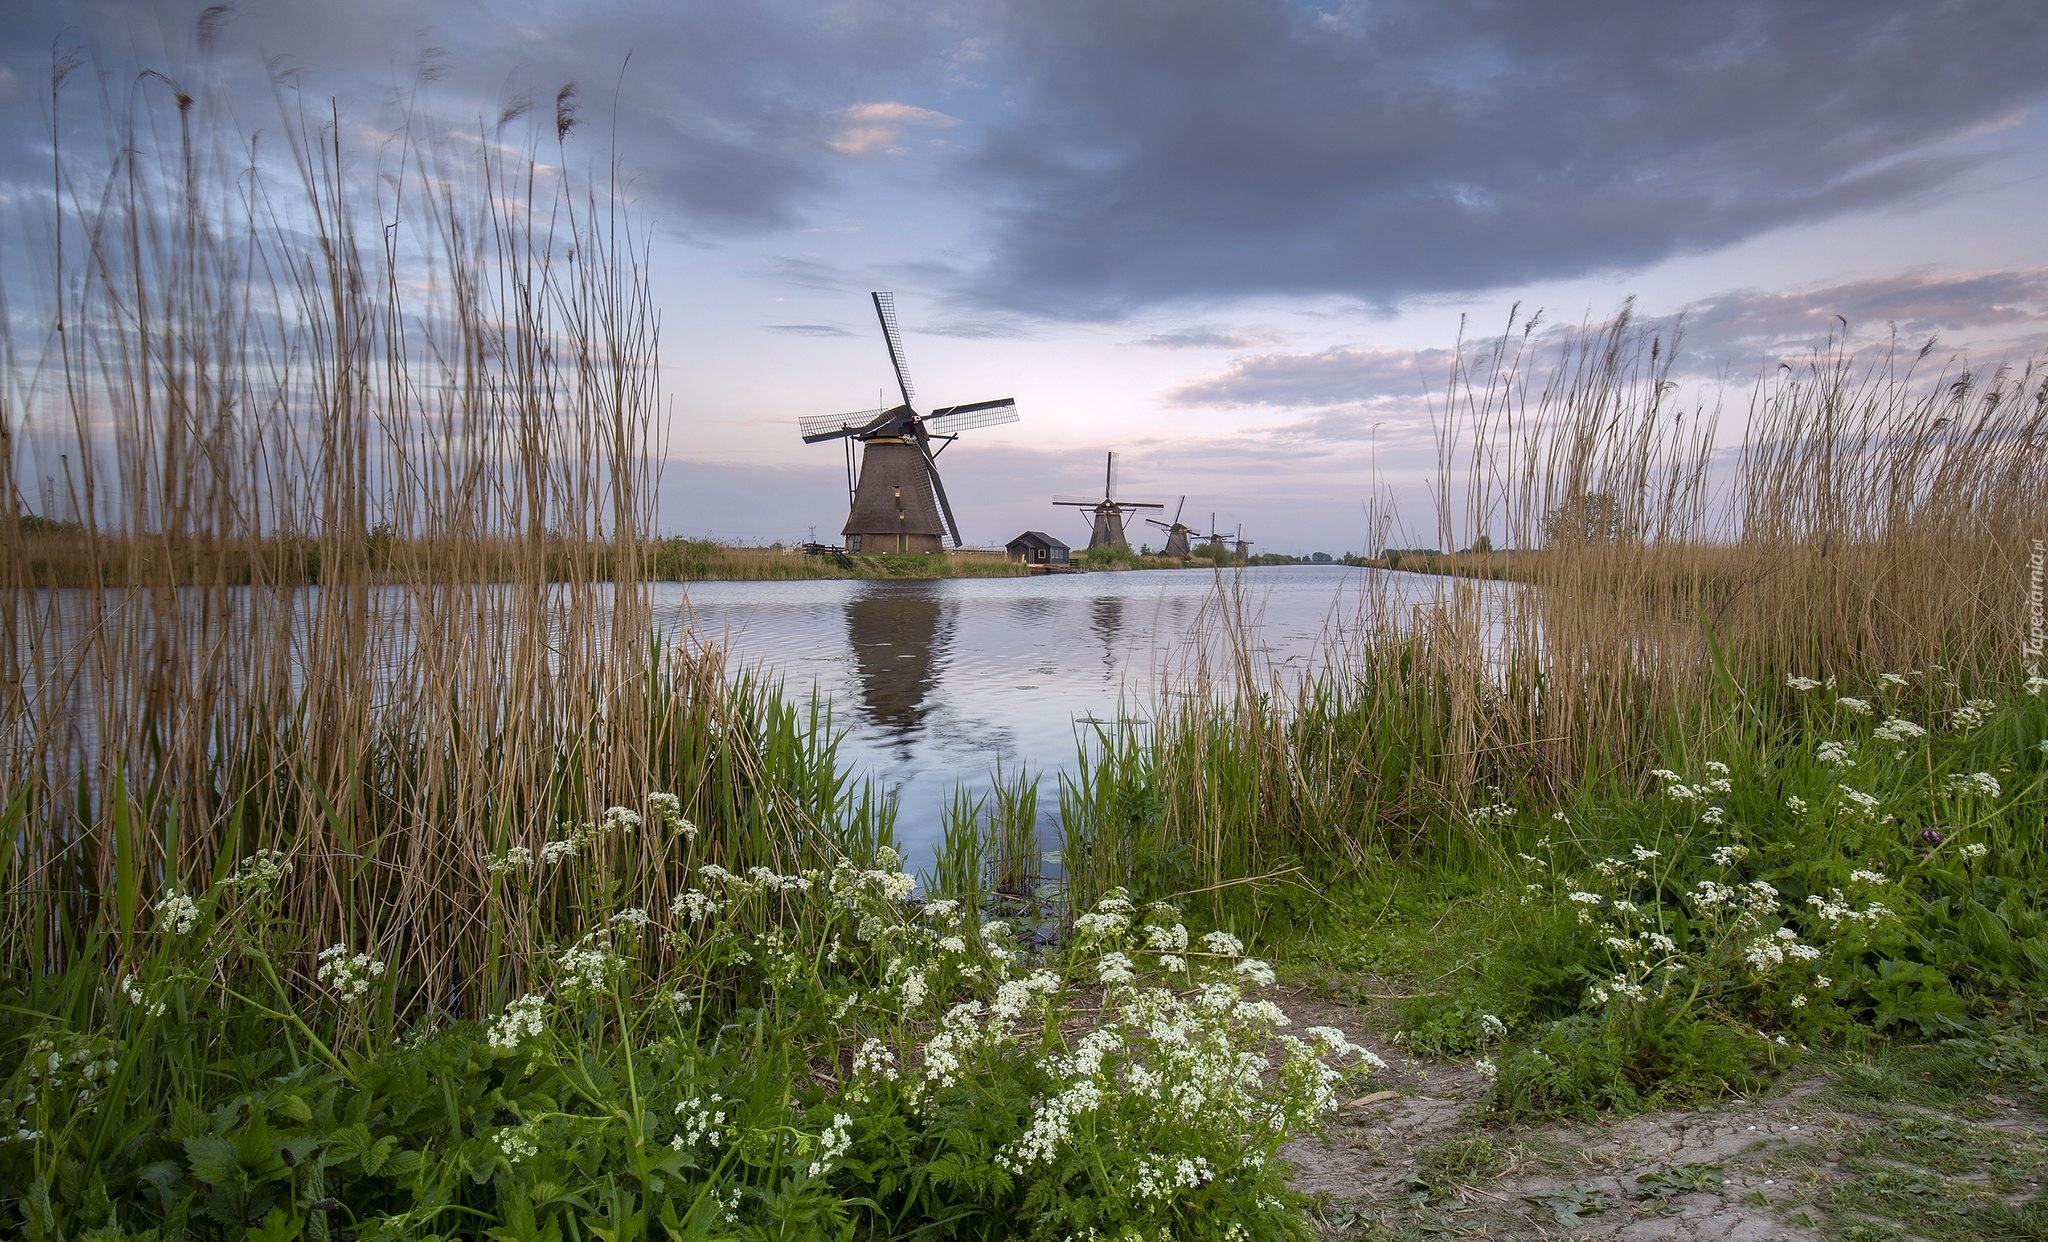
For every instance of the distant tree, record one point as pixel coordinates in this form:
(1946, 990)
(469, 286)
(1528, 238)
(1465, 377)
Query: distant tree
(1589, 517)
(1482, 545)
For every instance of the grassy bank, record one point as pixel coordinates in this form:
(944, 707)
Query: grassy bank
(698, 560)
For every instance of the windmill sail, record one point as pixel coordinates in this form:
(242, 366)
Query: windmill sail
(885, 310)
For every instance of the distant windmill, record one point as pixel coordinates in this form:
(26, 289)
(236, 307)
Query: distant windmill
(1244, 545)
(1108, 530)
(896, 500)
(1176, 532)
(1215, 538)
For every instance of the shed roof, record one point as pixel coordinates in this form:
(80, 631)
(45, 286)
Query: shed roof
(1036, 539)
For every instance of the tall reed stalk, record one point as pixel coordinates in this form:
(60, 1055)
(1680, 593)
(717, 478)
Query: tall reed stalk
(424, 378)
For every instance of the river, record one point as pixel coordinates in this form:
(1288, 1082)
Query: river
(935, 683)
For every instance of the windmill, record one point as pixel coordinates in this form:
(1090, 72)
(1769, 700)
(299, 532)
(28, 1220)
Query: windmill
(1215, 538)
(1176, 532)
(1244, 545)
(1108, 531)
(896, 502)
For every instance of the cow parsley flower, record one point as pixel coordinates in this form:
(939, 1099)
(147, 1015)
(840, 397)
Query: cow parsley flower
(1898, 729)
(176, 913)
(1834, 754)
(1255, 970)
(1801, 684)
(349, 975)
(1972, 714)
(523, 1019)
(1223, 944)
(516, 859)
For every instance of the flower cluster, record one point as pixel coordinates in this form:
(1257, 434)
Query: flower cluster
(668, 808)
(350, 975)
(618, 820)
(1898, 729)
(1972, 714)
(177, 914)
(523, 1019)
(259, 873)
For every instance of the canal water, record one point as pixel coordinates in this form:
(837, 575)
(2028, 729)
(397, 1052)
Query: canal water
(936, 683)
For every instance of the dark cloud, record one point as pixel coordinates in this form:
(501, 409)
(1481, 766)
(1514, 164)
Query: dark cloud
(1991, 314)
(1159, 150)
(807, 329)
(730, 118)
(1196, 338)
(1968, 309)
(1339, 376)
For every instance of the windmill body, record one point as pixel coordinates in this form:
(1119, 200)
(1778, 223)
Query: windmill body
(1176, 533)
(897, 501)
(1107, 512)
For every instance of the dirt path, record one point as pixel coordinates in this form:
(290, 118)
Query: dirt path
(1853, 1147)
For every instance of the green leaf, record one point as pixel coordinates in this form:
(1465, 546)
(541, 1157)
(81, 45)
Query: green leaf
(276, 1227)
(374, 1159)
(213, 1160)
(295, 1108)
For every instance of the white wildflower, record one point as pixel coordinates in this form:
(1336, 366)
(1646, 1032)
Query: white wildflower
(832, 1144)
(516, 859)
(1860, 707)
(1834, 754)
(176, 913)
(1223, 944)
(1801, 684)
(1255, 970)
(523, 1019)
(1972, 714)
(349, 975)
(1898, 729)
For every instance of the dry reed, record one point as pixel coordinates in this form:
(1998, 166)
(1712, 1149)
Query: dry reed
(427, 386)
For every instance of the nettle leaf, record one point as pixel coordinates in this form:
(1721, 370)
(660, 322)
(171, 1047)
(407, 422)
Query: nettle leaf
(213, 1160)
(260, 1152)
(295, 1108)
(187, 1119)
(348, 1143)
(276, 1227)
(380, 1152)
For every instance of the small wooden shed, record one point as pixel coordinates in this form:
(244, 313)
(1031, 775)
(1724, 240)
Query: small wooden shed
(1035, 547)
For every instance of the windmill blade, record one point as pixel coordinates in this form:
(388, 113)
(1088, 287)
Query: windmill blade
(1090, 501)
(1161, 525)
(1177, 508)
(1139, 504)
(885, 310)
(955, 419)
(1109, 477)
(818, 427)
(931, 470)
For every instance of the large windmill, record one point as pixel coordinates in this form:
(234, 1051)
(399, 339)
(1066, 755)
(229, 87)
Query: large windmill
(1108, 528)
(1176, 532)
(897, 503)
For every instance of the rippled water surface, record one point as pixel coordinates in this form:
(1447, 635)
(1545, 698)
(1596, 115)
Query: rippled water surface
(935, 683)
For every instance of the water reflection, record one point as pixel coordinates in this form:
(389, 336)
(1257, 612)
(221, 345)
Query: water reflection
(901, 639)
(1106, 618)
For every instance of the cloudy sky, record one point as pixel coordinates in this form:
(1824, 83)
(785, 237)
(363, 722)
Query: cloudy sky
(1231, 239)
